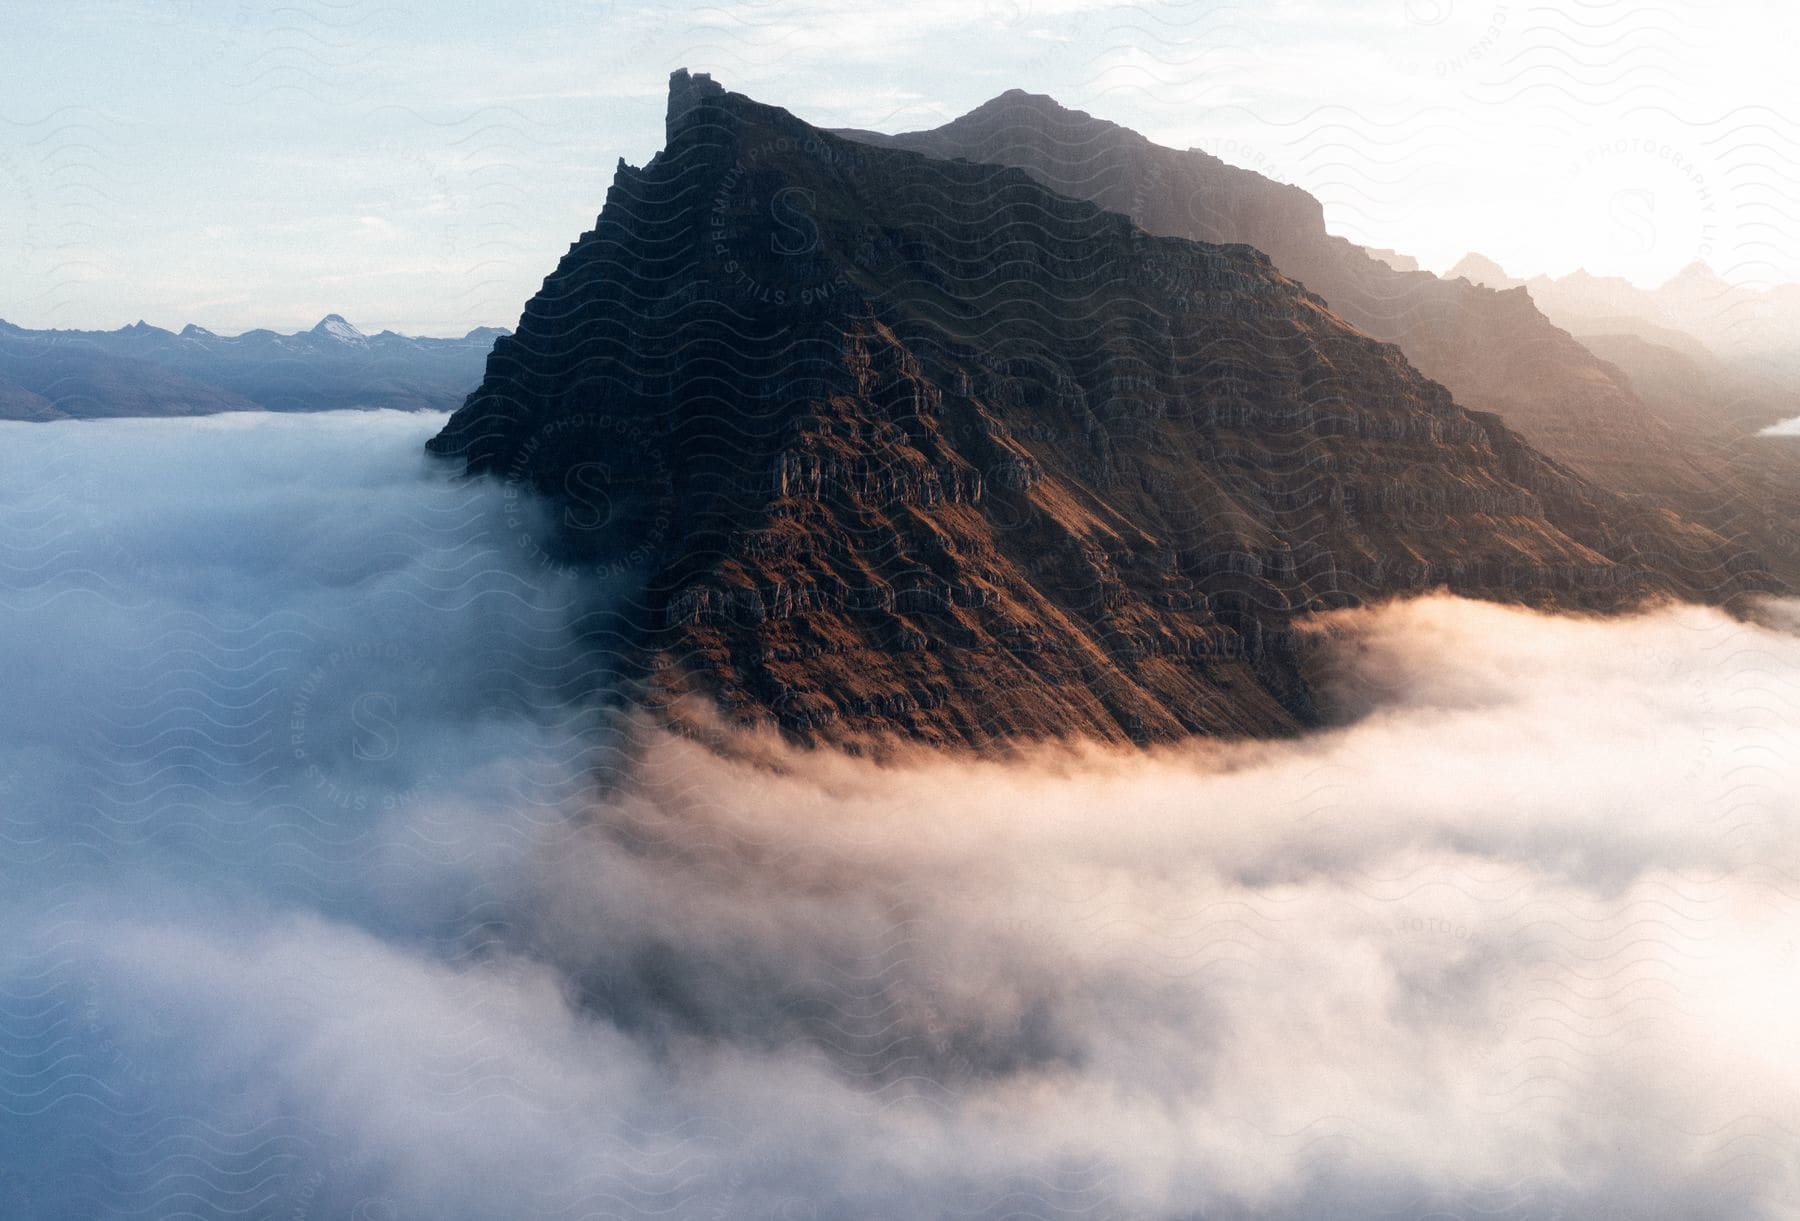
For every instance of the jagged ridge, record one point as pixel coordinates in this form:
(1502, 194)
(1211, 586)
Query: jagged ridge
(901, 445)
(1494, 350)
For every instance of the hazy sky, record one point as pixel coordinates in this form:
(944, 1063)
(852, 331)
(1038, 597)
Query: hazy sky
(263, 162)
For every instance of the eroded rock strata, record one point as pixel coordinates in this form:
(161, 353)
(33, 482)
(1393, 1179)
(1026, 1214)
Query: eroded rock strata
(898, 445)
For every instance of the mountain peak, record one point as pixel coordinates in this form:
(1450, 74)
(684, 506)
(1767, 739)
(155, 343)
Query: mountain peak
(687, 92)
(334, 326)
(1479, 269)
(873, 480)
(141, 330)
(1017, 104)
(1015, 96)
(1698, 274)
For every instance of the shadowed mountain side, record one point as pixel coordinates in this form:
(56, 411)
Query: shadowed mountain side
(1494, 350)
(901, 445)
(142, 370)
(1749, 327)
(1712, 362)
(1718, 360)
(53, 381)
(1698, 395)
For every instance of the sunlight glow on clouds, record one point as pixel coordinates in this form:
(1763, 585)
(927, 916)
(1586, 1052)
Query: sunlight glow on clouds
(329, 893)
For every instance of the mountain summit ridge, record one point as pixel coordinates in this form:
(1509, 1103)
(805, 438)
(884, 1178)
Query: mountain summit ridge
(1492, 347)
(891, 445)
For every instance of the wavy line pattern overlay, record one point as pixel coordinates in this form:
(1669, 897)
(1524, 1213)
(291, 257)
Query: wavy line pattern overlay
(508, 830)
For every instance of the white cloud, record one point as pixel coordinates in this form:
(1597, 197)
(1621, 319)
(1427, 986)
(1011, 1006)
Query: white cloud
(1519, 938)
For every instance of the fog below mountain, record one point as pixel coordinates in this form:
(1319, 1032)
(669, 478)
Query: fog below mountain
(329, 894)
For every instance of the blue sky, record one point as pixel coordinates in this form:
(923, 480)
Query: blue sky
(243, 163)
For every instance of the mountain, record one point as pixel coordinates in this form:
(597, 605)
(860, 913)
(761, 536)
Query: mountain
(1735, 322)
(895, 445)
(1479, 269)
(334, 327)
(1717, 395)
(1393, 258)
(1696, 392)
(143, 370)
(1750, 336)
(1493, 349)
(51, 380)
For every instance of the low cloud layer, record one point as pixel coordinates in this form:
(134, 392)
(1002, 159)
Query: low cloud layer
(329, 897)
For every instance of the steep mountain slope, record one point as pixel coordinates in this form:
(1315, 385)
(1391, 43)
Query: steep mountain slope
(142, 370)
(1494, 350)
(899, 445)
(1695, 393)
(19, 403)
(1745, 343)
(1716, 396)
(1735, 322)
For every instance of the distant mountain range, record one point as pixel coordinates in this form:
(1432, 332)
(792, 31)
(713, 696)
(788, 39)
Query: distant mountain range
(1709, 353)
(142, 370)
(1730, 321)
(903, 441)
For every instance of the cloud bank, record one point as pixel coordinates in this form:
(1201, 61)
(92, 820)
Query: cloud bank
(330, 895)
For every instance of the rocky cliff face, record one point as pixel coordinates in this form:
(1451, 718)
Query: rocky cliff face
(1494, 350)
(900, 445)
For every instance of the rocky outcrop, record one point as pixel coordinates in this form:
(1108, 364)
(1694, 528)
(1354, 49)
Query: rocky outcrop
(896, 445)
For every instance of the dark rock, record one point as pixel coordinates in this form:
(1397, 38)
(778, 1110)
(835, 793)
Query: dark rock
(918, 447)
(1494, 350)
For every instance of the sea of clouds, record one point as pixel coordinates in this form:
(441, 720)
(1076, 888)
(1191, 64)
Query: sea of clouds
(331, 890)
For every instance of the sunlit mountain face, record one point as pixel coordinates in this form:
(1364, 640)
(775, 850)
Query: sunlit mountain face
(944, 612)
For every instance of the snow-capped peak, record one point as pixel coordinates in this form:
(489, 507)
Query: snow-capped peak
(333, 326)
